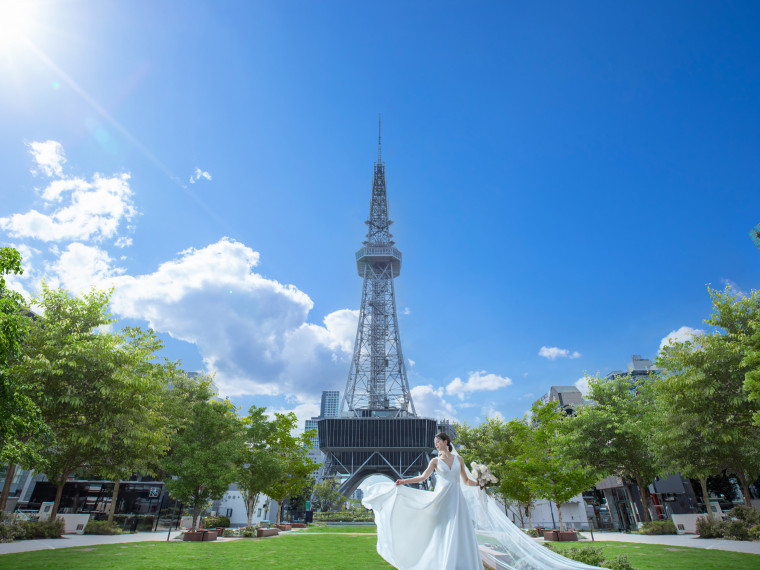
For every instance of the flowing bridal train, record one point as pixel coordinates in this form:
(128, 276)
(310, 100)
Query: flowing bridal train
(455, 527)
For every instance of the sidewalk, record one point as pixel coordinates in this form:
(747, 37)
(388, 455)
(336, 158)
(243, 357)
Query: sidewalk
(81, 540)
(676, 540)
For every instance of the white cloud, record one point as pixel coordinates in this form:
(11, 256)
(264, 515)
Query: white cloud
(48, 157)
(80, 266)
(476, 382)
(734, 287)
(553, 352)
(198, 174)
(491, 412)
(91, 210)
(681, 335)
(123, 242)
(251, 331)
(429, 402)
(411, 362)
(406, 311)
(582, 385)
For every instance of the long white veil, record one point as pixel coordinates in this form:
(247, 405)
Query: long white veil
(503, 545)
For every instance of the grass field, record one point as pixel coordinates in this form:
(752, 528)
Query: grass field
(656, 557)
(319, 548)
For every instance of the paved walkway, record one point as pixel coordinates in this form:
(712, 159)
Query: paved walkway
(80, 540)
(677, 540)
(85, 541)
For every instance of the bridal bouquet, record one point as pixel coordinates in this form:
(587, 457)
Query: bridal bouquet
(482, 474)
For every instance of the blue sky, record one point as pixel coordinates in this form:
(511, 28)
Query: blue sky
(565, 180)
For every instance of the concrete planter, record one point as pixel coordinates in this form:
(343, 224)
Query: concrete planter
(193, 536)
(209, 535)
(567, 536)
(552, 535)
(264, 532)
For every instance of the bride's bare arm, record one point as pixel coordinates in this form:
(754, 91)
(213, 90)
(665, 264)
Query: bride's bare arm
(431, 466)
(465, 479)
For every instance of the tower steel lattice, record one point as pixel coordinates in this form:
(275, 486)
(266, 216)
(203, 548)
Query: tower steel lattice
(378, 430)
(377, 383)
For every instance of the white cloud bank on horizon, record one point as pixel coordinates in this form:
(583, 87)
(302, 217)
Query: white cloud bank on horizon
(554, 352)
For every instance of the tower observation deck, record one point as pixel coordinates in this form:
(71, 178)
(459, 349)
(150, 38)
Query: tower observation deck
(378, 430)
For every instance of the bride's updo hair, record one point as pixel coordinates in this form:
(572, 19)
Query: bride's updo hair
(445, 437)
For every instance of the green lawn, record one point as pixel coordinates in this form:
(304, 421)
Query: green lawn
(341, 529)
(315, 549)
(656, 557)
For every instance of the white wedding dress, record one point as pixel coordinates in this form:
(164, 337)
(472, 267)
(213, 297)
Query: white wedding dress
(419, 529)
(454, 527)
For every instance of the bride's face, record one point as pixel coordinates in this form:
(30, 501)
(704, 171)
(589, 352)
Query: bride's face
(439, 444)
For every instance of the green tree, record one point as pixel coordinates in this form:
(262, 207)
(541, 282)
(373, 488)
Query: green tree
(142, 430)
(557, 476)
(504, 447)
(291, 451)
(259, 467)
(200, 465)
(613, 436)
(87, 381)
(22, 430)
(326, 495)
(704, 388)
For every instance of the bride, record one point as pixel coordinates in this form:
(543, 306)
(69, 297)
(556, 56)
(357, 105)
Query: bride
(454, 527)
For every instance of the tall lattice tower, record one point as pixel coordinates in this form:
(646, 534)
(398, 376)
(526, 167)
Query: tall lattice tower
(377, 384)
(378, 430)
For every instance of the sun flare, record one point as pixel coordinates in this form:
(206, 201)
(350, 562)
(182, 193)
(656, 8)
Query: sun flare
(16, 21)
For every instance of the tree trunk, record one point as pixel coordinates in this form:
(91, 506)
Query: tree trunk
(196, 512)
(7, 486)
(530, 515)
(745, 488)
(644, 494)
(559, 515)
(279, 511)
(114, 498)
(705, 496)
(58, 493)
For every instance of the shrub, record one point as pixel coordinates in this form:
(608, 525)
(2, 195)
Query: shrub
(659, 527)
(735, 530)
(532, 532)
(754, 532)
(593, 556)
(746, 514)
(9, 532)
(709, 527)
(102, 527)
(216, 522)
(620, 562)
(248, 532)
(40, 529)
(229, 532)
(345, 516)
(590, 555)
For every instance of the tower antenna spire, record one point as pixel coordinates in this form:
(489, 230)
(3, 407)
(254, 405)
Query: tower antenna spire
(379, 136)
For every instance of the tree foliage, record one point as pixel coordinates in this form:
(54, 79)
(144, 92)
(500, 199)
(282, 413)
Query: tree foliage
(259, 466)
(702, 398)
(22, 430)
(613, 436)
(291, 451)
(203, 452)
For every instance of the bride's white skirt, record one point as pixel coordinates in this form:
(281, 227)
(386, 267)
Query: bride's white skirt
(456, 528)
(419, 530)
